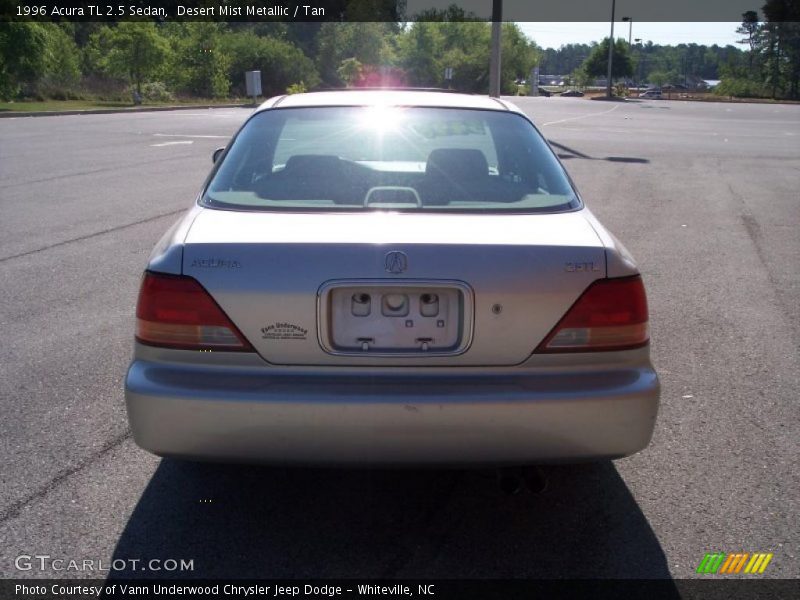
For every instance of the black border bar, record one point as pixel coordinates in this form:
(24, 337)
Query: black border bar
(478, 589)
(383, 10)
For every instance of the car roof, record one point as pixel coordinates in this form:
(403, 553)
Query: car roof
(384, 97)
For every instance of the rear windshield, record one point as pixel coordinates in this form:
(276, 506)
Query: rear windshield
(390, 158)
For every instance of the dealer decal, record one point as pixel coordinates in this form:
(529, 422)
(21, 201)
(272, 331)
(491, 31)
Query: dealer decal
(284, 331)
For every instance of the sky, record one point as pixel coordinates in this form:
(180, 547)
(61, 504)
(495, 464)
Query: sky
(554, 35)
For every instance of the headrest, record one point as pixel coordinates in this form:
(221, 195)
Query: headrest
(457, 164)
(313, 163)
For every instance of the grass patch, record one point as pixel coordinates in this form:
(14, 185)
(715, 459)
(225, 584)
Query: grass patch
(52, 105)
(58, 105)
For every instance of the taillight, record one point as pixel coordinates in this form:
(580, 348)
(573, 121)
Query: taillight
(610, 315)
(177, 312)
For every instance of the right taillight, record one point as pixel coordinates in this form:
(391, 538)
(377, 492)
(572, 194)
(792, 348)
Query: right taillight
(175, 311)
(610, 315)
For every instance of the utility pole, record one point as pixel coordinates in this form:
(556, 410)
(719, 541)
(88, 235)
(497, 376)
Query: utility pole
(638, 81)
(629, 21)
(686, 63)
(494, 62)
(611, 50)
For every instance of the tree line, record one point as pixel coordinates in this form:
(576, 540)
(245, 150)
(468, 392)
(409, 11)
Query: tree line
(648, 61)
(75, 60)
(771, 67)
(163, 61)
(768, 64)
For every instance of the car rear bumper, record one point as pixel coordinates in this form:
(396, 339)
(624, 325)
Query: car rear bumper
(508, 417)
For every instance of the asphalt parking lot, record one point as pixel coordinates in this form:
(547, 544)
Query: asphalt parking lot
(704, 195)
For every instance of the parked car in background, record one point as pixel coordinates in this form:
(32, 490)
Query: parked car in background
(652, 94)
(572, 93)
(391, 277)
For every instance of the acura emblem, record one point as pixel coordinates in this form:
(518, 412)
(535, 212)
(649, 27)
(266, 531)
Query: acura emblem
(396, 262)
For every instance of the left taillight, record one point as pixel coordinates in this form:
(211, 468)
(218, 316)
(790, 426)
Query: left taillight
(175, 311)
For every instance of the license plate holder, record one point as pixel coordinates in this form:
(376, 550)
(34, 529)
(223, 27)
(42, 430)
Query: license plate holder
(395, 318)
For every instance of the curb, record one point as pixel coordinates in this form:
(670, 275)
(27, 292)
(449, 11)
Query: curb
(607, 99)
(108, 111)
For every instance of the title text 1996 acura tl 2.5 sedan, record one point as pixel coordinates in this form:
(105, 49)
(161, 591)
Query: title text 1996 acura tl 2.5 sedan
(390, 277)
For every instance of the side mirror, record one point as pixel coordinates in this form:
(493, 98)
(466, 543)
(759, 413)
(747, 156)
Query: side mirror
(217, 153)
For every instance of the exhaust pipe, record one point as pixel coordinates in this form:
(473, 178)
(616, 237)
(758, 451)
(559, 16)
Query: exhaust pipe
(535, 480)
(513, 480)
(510, 481)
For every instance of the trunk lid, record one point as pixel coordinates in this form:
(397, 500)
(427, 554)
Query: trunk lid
(291, 281)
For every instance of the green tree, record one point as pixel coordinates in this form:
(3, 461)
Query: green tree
(565, 59)
(418, 50)
(39, 59)
(580, 77)
(740, 87)
(466, 48)
(350, 70)
(23, 55)
(750, 29)
(452, 14)
(281, 63)
(133, 49)
(62, 71)
(520, 55)
(596, 63)
(782, 29)
(425, 49)
(201, 61)
(773, 65)
(369, 43)
(659, 78)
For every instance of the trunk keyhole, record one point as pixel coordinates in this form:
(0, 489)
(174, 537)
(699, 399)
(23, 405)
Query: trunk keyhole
(429, 305)
(361, 305)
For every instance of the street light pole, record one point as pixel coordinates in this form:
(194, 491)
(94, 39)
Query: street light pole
(611, 50)
(494, 61)
(629, 20)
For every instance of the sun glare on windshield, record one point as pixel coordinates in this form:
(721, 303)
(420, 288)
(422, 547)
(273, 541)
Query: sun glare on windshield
(381, 119)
